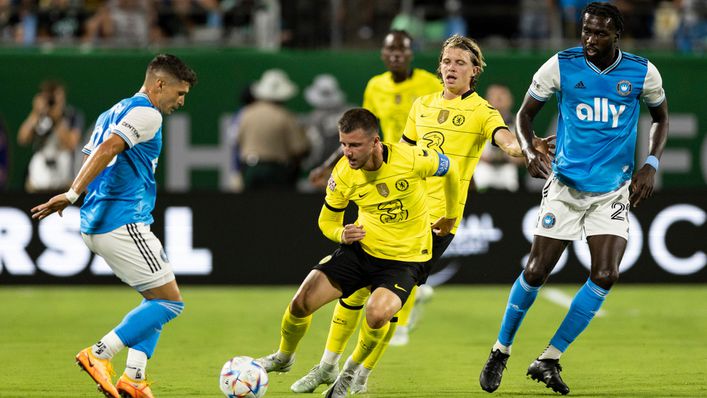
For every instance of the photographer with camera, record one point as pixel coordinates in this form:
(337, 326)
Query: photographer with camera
(53, 128)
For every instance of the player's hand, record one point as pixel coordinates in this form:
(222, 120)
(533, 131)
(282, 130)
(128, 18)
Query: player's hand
(538, 163)
(352, 233)
(318, 176)
(55, 204)
(545, 145)
(642, 185)
(443, 226)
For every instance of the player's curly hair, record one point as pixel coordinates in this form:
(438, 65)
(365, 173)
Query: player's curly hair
(466, 44)
(174, 66)
(606, 10)
(358, 118)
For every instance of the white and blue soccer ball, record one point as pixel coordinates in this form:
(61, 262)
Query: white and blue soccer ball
(242, 377)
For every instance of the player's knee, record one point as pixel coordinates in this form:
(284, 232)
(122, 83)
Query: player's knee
(535, 274)
(378, 315)
(171, 308)
(605, 279)
(376, 321)
(299, 306)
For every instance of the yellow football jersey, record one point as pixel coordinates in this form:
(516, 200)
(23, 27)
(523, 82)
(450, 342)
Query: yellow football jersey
(391, 101)
(392, 201)
(458, 128)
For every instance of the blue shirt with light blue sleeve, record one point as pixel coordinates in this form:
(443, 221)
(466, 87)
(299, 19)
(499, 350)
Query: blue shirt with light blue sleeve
(598, 115)
(125, 191)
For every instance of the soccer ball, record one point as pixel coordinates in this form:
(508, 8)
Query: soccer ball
(242, 377)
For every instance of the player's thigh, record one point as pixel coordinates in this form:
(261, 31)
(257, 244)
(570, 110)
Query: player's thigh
(439, 246)
(344, 270)
(134, 254)
(561, 212)
(315, 291)
(382, 306)
(399, 277)
(609, 214)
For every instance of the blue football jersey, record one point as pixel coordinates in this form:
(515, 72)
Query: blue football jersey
(598, 115)
(124, 192)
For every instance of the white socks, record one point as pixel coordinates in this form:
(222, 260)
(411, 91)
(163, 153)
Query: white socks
(136, 364)
(551, 353)
(330, 358)
(504, 349)
(108, 346)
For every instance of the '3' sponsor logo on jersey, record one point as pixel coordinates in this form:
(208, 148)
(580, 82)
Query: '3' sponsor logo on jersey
(600, 111)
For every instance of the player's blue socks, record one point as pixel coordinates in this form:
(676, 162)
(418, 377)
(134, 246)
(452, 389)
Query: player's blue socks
(148, 345)
(141, 327)
(520, 299)
(584, 306)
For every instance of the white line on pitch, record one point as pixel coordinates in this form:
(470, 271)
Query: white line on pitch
(558, 297)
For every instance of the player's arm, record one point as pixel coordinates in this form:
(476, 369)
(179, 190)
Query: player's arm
(96, 162)
(331, 221)
(643, 182)
(538, 163)
(331, 217)
(508, 143)
(448, 170)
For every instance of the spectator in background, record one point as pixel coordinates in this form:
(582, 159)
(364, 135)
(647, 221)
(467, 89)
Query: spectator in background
(691, 35)
(536, 21)
(271, 141)
(53, 129)
(571, 14)
(495, 169)
(6, 28)
(245, 98)
(177, 19)
(329, 104)
(61, 21)
(123, 22)
(21, 25)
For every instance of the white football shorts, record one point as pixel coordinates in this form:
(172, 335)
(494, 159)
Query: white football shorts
(134, 254)
(565, 213)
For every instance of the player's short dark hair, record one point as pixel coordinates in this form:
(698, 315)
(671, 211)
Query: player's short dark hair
(174, 66)
(400, 32)
(606, 10)
(358, 118)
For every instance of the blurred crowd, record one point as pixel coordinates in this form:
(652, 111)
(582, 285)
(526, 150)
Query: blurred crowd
(273, 24)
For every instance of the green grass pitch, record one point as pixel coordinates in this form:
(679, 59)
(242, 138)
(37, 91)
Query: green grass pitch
(651, 342)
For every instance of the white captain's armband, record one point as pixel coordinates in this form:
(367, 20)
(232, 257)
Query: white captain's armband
(443, 165)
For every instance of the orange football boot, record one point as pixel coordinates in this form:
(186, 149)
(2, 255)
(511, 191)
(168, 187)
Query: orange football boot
(129, 388)
(100, 371)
